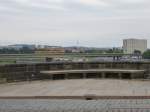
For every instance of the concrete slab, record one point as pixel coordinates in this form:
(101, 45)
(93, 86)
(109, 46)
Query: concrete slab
(78, 87)
(93, 71)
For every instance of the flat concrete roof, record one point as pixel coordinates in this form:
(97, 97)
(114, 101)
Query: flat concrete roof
(93, 71)
(76, 87)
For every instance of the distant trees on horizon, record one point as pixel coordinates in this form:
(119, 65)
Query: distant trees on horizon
(23, 50)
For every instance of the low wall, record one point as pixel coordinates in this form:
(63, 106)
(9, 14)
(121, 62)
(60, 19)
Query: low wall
(19, 72)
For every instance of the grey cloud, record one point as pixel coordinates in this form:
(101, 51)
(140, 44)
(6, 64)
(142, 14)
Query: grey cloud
(48, 21)
(75, 6)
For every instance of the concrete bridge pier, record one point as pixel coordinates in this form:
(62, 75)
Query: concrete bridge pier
(66, 75)
(103, 75)
(120, 75)
(132, 76)
(84, 75)
(52, 77)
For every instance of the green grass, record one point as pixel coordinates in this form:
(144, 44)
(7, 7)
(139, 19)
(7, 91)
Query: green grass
(2, 62)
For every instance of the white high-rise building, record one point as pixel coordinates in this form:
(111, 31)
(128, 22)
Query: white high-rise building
(130, 45)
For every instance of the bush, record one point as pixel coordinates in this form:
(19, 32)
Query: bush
(146, 54)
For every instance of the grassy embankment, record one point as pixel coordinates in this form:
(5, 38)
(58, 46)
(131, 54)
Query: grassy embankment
(12, 58)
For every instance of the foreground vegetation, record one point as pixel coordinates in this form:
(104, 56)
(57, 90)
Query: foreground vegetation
(146, 54)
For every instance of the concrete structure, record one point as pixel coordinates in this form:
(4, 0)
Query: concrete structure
(77, 89)
(96, 73)
(131, 45)
(53, 50)
(21, 72)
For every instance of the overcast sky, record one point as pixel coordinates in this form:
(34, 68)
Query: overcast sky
(95, 23)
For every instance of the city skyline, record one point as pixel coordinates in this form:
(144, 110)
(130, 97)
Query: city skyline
(92, 23)
(77, 46)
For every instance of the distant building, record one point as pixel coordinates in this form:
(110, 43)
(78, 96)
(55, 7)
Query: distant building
(53, 50)
(75, 49)
(46, 46)
(132, 45)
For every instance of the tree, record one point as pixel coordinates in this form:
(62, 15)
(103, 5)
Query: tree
(137, 52)
(146, 54)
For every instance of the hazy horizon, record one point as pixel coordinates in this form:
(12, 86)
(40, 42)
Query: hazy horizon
(91, 23)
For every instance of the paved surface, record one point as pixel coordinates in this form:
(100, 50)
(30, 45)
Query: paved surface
(93, 71)
(74, 105)
(77, 87)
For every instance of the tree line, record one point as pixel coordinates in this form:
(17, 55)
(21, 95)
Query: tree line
(24, 50)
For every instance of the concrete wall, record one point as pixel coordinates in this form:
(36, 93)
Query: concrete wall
(18, 72)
